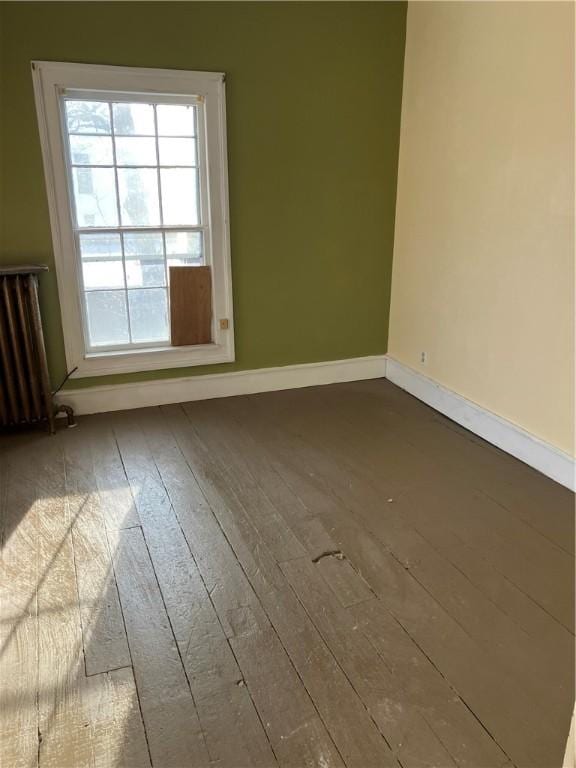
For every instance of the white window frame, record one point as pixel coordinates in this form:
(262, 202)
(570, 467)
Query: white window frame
(50, 80)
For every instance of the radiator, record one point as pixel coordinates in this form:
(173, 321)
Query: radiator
(25, 394)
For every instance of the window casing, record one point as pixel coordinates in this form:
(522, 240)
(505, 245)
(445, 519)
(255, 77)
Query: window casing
(135, 163)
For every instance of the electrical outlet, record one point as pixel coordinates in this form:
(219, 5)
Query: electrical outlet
(423, 357)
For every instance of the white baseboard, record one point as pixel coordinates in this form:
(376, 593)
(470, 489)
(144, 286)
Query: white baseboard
(495, 429)
(117, 397)
(504, 434)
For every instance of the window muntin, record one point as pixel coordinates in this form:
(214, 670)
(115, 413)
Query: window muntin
(138, 206)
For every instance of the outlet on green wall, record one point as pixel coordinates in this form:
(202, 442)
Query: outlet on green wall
(313, 102)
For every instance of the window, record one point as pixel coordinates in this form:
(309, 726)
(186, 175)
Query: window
(136, 203)
(135, 163)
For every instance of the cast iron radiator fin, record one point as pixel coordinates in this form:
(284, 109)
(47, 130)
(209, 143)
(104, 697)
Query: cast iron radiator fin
(25, 394)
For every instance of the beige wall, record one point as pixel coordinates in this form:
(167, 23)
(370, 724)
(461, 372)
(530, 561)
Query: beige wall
(483, 271)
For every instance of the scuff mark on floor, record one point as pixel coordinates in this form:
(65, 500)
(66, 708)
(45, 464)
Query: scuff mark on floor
(329, 553)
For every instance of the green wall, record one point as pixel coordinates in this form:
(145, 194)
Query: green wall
(313, 102)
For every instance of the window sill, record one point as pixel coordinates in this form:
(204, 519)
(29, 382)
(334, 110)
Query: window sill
(155, 359)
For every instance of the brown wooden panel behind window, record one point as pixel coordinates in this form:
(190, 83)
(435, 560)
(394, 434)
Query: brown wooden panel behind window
(190, 305)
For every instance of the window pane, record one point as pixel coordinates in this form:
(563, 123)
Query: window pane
(176, 120)
(138, 196)
(135, 151)
(184, 248)
(88, 117)
(144, 254)
(95, 197)
(148, 314)
(91, 150)
(101, 261)
(133, 119)
(107, 317)
(177, 151)
(179, 195)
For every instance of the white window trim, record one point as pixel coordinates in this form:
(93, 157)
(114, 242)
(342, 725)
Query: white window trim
(49, 79)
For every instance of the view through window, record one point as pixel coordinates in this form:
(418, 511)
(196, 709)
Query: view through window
(137, 180)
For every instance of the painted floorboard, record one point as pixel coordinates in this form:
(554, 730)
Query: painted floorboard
(387, 518)
(104, 635)
(172, 727)
(18, 606)
(336, 576)
(184, 535)
(304, 473)
(359, 743)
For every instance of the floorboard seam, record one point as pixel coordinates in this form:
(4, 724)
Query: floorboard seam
(176, 517)
(210, 591)
(122, 607)
(289, 657)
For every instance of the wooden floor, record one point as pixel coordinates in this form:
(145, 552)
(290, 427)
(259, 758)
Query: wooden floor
(334, 576)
